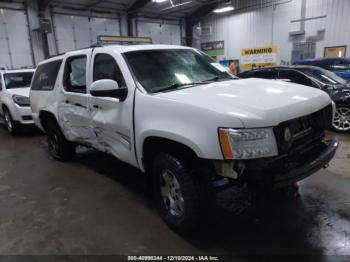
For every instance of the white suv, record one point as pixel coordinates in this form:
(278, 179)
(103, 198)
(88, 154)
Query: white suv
(14, 98)
(179, 117)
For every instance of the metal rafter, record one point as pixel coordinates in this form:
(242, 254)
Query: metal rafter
(137, 6)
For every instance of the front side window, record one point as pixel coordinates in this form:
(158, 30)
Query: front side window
(105, 67)
(161, 70)
(264, 73)
(45, 76)
(18, 80)
(75, 74)
(294, 77)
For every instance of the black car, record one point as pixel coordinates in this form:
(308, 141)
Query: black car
(337, 88)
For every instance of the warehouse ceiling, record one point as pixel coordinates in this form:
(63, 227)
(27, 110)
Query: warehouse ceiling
(178, 8)
(171, 8)
(153, 8)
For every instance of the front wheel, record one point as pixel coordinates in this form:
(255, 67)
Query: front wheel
(59, 147)
(11, 125)
(341, 121)
(179, 193)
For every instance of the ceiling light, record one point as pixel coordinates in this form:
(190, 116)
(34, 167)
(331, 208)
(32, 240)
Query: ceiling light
(159, 1)
(224, 9)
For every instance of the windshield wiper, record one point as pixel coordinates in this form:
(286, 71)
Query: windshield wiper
(178, 85)
(216, 78)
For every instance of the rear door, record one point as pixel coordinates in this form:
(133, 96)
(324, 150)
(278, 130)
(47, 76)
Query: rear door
(73, 112)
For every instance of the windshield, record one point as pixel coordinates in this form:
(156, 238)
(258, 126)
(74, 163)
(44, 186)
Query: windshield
(161, 70)
(324, 76)
(341, 66)
(17, 80)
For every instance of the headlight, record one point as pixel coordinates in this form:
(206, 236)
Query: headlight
(247, 143)
(21, 100)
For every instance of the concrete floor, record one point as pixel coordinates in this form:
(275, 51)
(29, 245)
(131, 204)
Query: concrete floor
(98, 205)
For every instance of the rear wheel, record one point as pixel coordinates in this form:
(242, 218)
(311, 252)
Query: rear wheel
(341, 121)
(179, 192)
(59, 147)
(11, 125)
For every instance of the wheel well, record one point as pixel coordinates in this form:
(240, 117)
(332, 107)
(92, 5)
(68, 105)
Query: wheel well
(44, 117)
(154, 145)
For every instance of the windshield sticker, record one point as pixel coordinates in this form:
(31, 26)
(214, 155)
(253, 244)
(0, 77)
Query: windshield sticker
(219, 67)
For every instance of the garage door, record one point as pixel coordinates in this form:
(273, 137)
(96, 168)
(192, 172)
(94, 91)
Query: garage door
(160, 33)
(74, 32)
(15, 50)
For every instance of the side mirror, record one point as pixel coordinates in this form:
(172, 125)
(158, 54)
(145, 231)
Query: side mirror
(108, 88)
(327, 87)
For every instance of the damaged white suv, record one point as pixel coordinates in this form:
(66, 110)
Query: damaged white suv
(183, 120)
(14, 98)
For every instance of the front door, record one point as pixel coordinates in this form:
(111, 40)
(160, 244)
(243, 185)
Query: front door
(112, 119)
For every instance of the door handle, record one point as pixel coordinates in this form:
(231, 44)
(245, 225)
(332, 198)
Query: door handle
(80, 105)
(96, 106)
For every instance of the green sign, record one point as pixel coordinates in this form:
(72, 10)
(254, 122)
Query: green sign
(214, 48)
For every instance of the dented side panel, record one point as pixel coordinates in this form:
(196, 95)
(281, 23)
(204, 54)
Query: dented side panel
(112, 120)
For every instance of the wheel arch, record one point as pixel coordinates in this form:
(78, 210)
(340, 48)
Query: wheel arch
(45, 116)
(152, 145)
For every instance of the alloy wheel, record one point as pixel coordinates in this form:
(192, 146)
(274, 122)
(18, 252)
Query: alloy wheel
(171, 193)
(8, 121)
(342, 119)
(53, 144)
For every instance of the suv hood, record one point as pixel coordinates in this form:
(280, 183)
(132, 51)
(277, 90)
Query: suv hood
(256, 102)
(23, 91)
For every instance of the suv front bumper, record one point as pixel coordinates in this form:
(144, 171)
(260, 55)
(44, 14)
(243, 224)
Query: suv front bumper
(22, 114)
(313, 165)
(286, 170)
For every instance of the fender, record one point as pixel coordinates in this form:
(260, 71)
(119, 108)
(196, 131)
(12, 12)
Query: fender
(166, 135)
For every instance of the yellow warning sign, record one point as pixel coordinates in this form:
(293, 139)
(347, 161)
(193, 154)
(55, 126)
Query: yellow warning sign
(258, 57)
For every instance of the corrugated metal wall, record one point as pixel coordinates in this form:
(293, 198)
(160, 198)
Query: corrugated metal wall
(160, 31)
(22, 43)
(271, 25)
(15, 43)
(74, 32)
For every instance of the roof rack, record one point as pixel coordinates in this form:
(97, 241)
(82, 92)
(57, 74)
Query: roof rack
(103, 40)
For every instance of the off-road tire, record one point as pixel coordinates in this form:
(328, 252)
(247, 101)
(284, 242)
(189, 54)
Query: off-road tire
(59, 147)
(195, 191)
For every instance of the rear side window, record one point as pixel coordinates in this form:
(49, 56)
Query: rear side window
(75, 74)
(45, 76)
